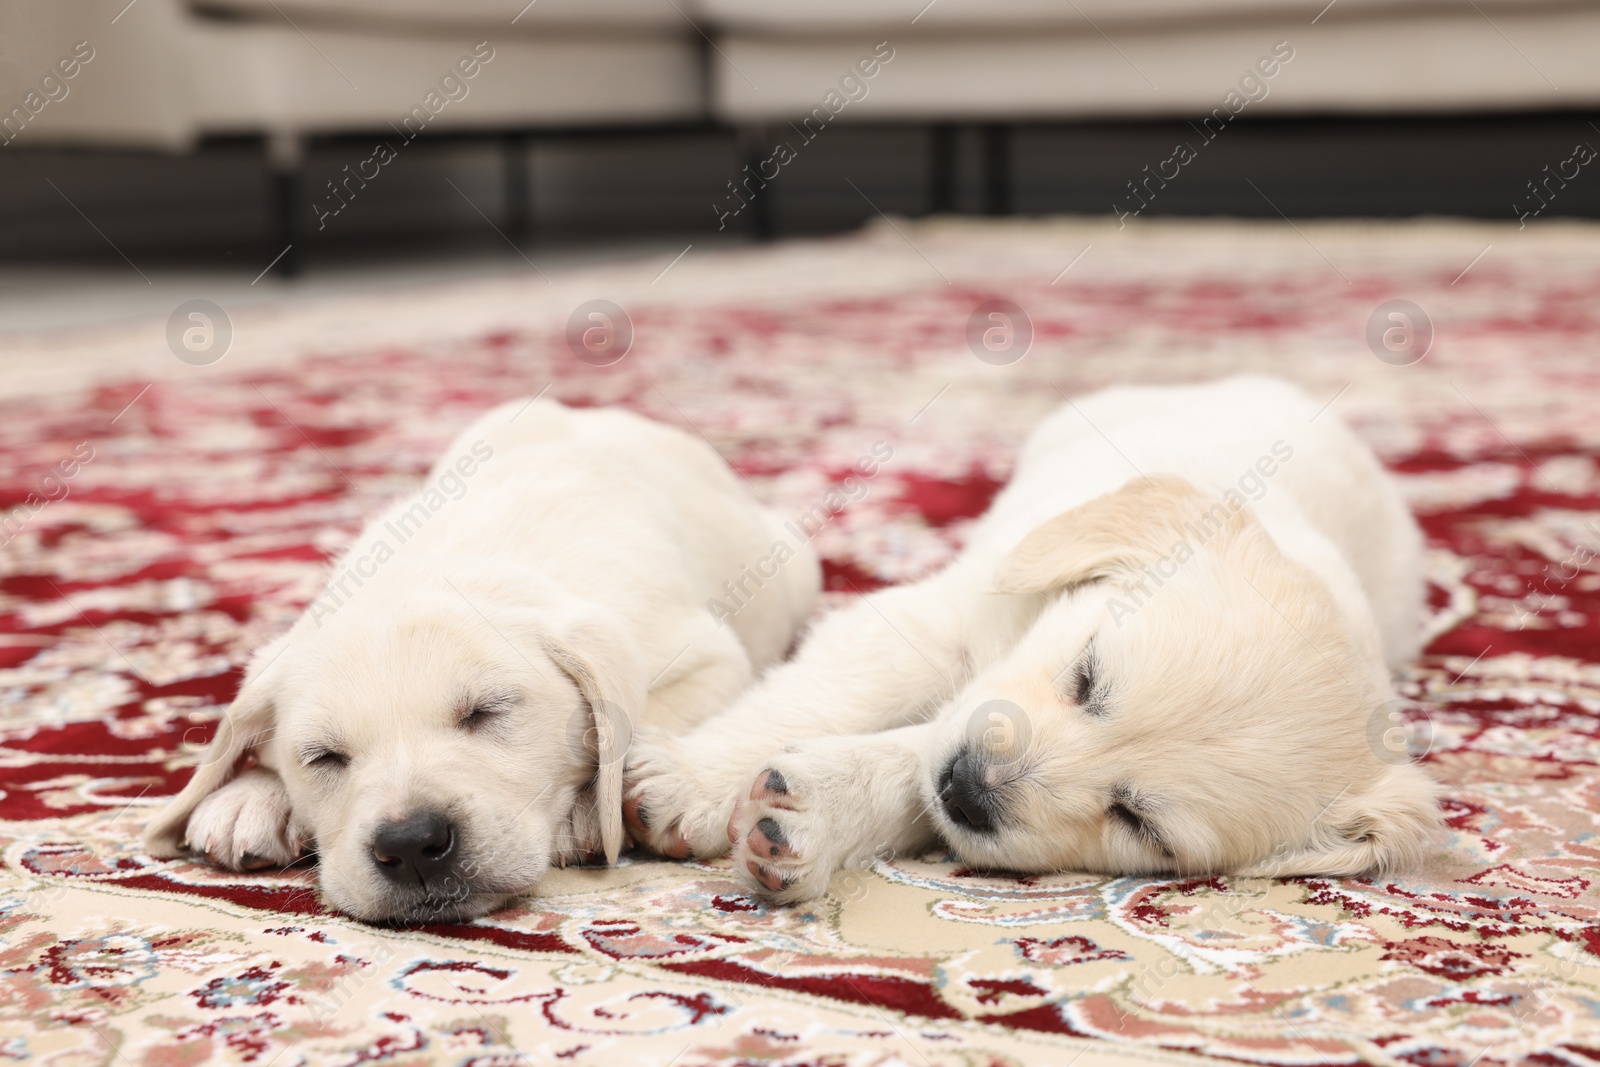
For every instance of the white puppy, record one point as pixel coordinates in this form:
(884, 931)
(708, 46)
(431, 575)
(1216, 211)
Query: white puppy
(1164, 649)
(450, 716)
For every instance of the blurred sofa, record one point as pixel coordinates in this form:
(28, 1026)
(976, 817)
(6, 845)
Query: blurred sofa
(165, 74)
(997, 63)
(1043, 60)
(169, 72)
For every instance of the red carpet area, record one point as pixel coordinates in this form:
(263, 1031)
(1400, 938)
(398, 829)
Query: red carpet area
(165, 524)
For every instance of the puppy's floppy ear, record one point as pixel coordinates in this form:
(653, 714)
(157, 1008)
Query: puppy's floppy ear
(1382, 828)
(607, 667)
(248, 722)
(1118, 532)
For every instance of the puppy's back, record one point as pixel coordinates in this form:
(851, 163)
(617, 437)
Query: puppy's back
(1260, 439)
(664, 503)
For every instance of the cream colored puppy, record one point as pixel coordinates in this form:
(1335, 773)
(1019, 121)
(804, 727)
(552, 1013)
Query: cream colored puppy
(449, 717)
(1166, 648)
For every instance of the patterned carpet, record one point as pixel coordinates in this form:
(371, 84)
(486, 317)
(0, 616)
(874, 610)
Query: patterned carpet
(171, 529)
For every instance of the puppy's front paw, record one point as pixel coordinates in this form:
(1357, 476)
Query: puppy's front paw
(676, 804)
(246, 825)
(797, 824)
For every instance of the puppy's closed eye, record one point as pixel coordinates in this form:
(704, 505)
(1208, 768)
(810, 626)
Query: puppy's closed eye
(479, 717)
(1124, 810)
(486, 711)
(1084, 683)
(325, 760)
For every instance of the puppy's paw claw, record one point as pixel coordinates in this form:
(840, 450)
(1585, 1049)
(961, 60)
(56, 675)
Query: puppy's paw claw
(771, 879)
(670, 841)
(246, 825)
(670, 808)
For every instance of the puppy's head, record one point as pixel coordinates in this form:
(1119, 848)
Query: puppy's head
(442, 742)
(1191, 700)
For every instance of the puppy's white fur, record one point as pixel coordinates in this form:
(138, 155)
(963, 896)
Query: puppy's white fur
(491, 663)
(1232, 571)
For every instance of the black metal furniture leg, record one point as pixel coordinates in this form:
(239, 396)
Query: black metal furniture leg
(942, 168)
(755, 153)
(518, 187)
(997, 192)
(285, 162)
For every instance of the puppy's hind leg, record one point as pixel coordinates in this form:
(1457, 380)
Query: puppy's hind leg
(702, 679)
(247, 824)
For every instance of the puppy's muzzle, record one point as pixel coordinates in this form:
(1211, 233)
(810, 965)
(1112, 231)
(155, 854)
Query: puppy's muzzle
(418, 849)
(967, 801)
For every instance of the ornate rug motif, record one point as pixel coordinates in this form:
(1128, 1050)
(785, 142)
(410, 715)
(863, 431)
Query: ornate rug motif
(157, 536)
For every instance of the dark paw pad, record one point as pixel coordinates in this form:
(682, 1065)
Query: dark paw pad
(767, 839)
(770, 783)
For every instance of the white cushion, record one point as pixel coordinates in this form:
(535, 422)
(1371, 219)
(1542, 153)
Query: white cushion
(615, 15)
(131, 93)
(251, 77)
(997, 16)
(1449, 60)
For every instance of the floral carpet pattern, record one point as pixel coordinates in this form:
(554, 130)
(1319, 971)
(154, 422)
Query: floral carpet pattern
(162, 526)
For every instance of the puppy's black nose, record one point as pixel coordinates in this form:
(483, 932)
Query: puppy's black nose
(415, 848)
(967, 801)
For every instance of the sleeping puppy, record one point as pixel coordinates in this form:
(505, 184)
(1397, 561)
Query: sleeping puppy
(1165, 649)
(449, 716)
